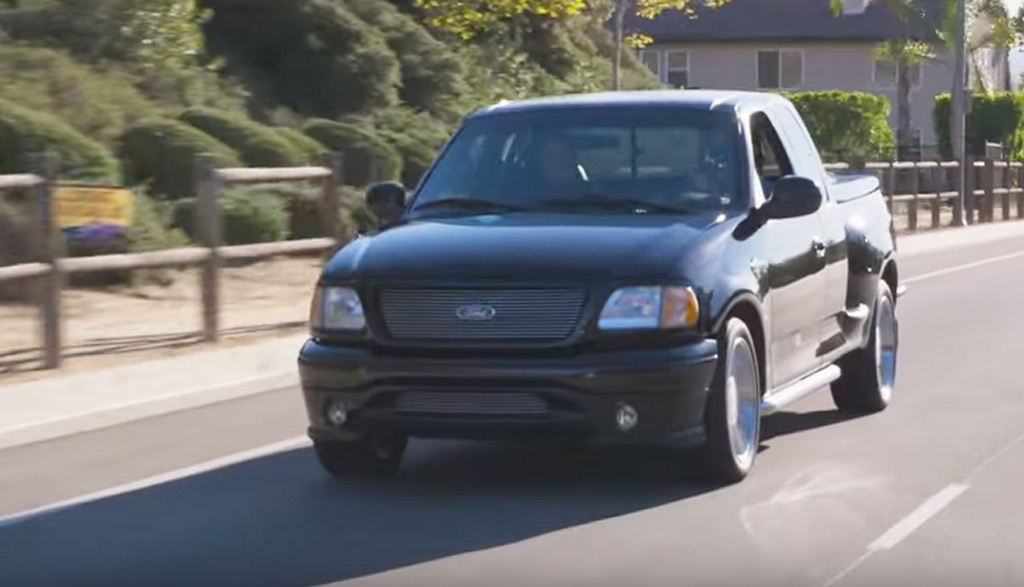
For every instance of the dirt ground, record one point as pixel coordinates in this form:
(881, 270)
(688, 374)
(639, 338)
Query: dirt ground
(113, 326)
(116, 325)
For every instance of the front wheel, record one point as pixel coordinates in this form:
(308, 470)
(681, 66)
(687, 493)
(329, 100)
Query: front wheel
(733, 415)
(362, 457)
(869, 374)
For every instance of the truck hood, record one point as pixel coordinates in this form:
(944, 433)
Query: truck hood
(538, 247)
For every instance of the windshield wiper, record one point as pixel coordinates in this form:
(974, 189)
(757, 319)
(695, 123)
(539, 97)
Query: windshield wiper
(468, 203)
(620, 203)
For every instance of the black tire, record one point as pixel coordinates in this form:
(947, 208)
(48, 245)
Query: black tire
(365, 457)
(864, 387)
(721, 463)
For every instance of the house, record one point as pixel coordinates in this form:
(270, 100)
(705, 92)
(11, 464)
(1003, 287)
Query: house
(803, 45)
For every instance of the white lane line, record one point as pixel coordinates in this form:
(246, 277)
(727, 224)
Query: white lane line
(204, 467)
(917, 518)
(964, 267)
(899, 531)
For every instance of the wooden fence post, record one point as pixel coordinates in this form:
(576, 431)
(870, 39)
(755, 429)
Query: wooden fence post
(969, 200)
(331, 206)
(1019, 175)
(988, 182)
(890, 183)
(1006, 177)
(915, 203)
(50, 283)
(207, 189)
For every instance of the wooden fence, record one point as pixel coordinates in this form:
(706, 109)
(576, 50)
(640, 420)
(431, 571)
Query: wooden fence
(931, 185)
(990, 181)
(51, 270)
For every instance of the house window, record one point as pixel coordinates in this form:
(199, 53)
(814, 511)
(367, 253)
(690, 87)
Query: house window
(652, 59)
(677, 69)
(780, 69)
(885, 73)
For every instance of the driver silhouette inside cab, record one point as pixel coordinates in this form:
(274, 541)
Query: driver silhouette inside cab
(554, 168)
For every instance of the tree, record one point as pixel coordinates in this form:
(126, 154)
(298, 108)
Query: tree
(650, 10)
(922, 36)
(468, 18)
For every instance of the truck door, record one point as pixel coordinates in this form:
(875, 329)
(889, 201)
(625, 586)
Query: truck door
(796, 266)
(807, 163)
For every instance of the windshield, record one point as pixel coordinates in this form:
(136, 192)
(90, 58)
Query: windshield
(627, 160)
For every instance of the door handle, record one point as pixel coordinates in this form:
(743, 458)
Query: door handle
(819, 248)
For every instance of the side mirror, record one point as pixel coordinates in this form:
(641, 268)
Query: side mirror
(793, 196)
(386, 200)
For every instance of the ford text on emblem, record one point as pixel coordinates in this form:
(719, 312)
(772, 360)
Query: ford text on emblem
(475, 312)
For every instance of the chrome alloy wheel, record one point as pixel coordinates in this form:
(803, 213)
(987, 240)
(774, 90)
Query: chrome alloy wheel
(886, 342)
(742, 402)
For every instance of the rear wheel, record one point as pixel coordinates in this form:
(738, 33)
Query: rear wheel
(869, 374)
(365, 456)
(733, 415)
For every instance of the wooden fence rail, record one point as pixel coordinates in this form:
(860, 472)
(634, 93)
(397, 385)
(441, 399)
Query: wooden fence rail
(990, 180)
(51, 269)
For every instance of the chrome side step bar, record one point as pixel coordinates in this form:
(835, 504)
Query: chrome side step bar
(799, 389)
(901, 290)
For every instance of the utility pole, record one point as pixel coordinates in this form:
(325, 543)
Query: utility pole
(958, 125)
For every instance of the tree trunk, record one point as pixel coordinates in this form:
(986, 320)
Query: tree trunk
(903, 116)
(620, 23)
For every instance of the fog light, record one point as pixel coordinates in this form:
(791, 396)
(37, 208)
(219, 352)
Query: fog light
(626, 418)
(337, 414)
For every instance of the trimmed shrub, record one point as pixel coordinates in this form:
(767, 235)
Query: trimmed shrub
(312, 151)
(314, 57)
(431, 74)
(364, 151)
(98, 104)
(24, 131)
(256, 144)
(301, 205)
(164, 152)
(17, 245)
(249, 215)
(997, 118)
(846, 125)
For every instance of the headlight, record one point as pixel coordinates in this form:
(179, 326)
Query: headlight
(337, 308)
(644, 308)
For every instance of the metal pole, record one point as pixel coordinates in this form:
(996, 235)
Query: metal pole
(958, 125)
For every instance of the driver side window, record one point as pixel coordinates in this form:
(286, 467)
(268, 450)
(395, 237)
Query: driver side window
(770, 159)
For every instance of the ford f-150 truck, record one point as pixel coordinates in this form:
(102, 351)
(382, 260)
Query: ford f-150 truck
(645, 268)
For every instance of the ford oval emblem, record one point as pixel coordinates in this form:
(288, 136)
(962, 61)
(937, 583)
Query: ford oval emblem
(475, 312)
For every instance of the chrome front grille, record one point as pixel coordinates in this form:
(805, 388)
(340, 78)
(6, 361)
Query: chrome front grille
(471, 403)
(481, 314)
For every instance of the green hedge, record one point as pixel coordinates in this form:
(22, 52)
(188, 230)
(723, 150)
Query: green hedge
(24, 131)
(164, 152)
(362, 149)
(249, 215)
(312, 151)
(997, 118)
(256, 144)
(847, 126)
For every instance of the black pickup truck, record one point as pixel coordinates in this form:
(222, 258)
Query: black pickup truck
(650, 268)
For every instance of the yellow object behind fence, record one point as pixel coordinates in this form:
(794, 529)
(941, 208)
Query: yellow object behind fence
(75, 206)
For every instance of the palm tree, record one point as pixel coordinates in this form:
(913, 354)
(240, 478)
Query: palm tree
(923, 34)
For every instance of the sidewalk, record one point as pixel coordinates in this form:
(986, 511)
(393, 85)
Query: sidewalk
(69, 404)
(62, 405)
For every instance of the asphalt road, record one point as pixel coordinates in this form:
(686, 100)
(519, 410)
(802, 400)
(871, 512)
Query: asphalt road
(926, 493)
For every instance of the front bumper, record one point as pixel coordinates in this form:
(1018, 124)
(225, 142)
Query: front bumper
(501, 398)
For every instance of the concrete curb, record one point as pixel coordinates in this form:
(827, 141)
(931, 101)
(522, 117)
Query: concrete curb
(912, 245)
(113, 415)
(59, 406)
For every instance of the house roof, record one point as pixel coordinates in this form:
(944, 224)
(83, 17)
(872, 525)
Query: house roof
(786, 20)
